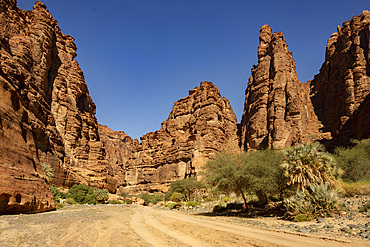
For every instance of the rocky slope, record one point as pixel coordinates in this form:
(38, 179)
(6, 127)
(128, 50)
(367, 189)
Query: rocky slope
(341, 89)
(278, 111)
(46, 113)
(198, 126)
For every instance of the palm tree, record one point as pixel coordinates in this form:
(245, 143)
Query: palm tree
(49, 172)
(309, 164)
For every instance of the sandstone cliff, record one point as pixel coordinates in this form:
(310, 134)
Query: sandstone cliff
(118, 147)
(278, 111)
(341, 89)
(46, 113)
(198, 126)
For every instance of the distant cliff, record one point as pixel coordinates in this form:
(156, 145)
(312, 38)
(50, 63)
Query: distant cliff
(198, 126)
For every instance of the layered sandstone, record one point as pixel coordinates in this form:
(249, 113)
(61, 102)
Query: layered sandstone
(278, 111)
(341, 89)
(46, 112)
(198, 126)
(118, 147)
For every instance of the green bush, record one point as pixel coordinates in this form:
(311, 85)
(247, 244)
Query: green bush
(354, 161)
(187, 187)
(82, 194)
(128, 201)
(70, 201)
(114, 202)
(151, 198)
(48, 170)
(177, 197)
(192, 204)
(320, 200)
(57, 194)
(219, 208)
(175, 205)
(102, 195)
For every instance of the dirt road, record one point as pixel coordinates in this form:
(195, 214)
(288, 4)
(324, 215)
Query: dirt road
(110, 225)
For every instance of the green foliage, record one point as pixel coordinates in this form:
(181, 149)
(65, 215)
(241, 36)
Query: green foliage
(128, 201)
(309, 164)
(192, 204)
(114, 202)
(355, 161)
(174, 205)
(177, 197)
(102, 195)
(256, 173)
(187, 187)
(57, 194)
(151, 198)
(70, 201)
(322, 200)
(82, 194)
(219, 208)
(48, 170)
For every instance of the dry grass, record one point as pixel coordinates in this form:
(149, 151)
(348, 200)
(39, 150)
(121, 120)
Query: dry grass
(353, 189)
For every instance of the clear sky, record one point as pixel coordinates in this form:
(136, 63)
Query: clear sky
(140, 56)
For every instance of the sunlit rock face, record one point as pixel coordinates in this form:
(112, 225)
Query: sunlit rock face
(277, 111)
(341, 89)
(46, 113)
(198, 126)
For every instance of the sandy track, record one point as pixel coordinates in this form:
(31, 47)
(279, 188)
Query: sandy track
(139, 226)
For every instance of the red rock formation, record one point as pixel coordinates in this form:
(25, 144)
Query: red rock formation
(198, 126)
(341, 89)
(46, 112)
(277, 110)
(118, 146)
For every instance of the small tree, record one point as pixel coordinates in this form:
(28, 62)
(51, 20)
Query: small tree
(187, 187)
(226, 171)
(82, 194)
(309, 164)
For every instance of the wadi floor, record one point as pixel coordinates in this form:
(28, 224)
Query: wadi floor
(123, 225)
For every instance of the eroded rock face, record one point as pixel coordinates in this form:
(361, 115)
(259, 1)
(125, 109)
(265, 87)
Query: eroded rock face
(341, 89)
(198, 126)
(118, 147)
(278, 111)
(46, 113)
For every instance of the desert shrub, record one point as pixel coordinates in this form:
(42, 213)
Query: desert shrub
(322, 200)
(355, 161)
(174, 205)
(192, 204)
(114, 202)
(167, 195)
(82, 194)
(102, 195)
(70, 201)
(151, 198)
(309, 164)
(219, 208)
(357, 188)
(177, 197)
(57, 194)
(128, 201)
(187, 187)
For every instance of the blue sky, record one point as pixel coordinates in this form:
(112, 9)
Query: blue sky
(139, 57)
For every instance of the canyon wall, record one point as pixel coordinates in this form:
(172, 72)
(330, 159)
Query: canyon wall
(277, 111)
(199, 126)
(46, 113)
(341, 90)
